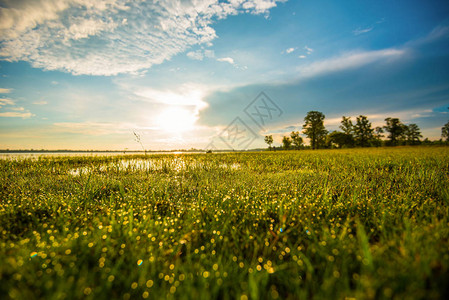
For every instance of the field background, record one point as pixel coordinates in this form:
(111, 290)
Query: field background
(327, 224)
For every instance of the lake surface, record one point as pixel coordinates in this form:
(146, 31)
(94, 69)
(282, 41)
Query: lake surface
(175, 164)
(32, 155)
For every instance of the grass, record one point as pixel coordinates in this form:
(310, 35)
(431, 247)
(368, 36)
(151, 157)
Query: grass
(330, 224)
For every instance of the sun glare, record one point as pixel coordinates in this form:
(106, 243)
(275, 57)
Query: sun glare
(177, 119)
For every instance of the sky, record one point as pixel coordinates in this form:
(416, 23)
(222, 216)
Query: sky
(82, 75)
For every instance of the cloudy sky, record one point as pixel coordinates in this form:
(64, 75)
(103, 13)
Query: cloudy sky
(80, 74)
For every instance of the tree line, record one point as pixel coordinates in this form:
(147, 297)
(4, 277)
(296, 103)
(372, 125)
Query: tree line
(358, 134)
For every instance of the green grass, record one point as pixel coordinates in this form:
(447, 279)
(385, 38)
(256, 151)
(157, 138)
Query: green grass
(330, 224)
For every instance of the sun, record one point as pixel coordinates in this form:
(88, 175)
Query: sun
(177, 119)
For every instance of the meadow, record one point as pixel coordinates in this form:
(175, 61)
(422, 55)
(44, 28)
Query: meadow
(326, 224)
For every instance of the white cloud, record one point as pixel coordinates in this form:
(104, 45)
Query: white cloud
(255, 6)
(19, 16)
(40, 102)
(188, 95)
(226, 59)
(290, 50)
(95, 128)
(107, 37)
(17, 108)
(6, 101)
(195, 55)
(5, 91)
(309, 50)
(349, 61)
(439, 32)
(302, 56)
(360, 30)
(16, 115)
(200, 54)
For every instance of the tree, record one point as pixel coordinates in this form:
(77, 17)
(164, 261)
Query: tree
(346, 125)
(314, 129)
(296, 139)
(348, 130)
(269, 140)
(445, 132)
(396, 130)
(377, 136)
(341, 139)
(412, 134)
(286, 142)
(363, 133)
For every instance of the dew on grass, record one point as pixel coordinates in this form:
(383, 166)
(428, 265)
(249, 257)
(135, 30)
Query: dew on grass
(223, 215)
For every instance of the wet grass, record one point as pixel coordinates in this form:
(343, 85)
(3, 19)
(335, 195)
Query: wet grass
(358, 223)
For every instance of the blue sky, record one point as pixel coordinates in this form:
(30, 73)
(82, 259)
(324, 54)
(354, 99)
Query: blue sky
(78, 74)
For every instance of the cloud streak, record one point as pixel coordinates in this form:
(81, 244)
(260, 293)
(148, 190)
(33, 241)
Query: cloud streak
(229, 60)
(6, 101)
(187, 95)
(347, 61)
(108, 37)
(11, 114)
(309, 50)
(40, 102)
(95, 128)
(360, 30)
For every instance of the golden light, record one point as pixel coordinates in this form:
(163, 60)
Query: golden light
(177, 119)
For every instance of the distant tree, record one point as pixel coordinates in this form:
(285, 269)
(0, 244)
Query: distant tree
(377, 137)
(269, 140)
(346, 125)
(286, 142)
(412, 134)
(348, 128)
(314, 129)
(363, 133)
(445, 132)
(296, 139)
(340, 139)
(395, 129)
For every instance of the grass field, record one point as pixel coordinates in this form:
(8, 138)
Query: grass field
(329, 224)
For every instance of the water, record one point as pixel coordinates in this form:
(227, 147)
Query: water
(35, 155)
(175, 164)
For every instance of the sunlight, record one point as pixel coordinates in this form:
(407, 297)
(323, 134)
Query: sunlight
(177, 119)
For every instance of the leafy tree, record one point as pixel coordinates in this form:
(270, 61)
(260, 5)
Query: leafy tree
(296, 139)
(346, 125)
(363, 133)
(445, 132)
(269, 140)
(341, 139)
(348, 128)
(412, 134)
(395, 129)
(426, 141)
(286, 142)
(377, 136)
(314, 129)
